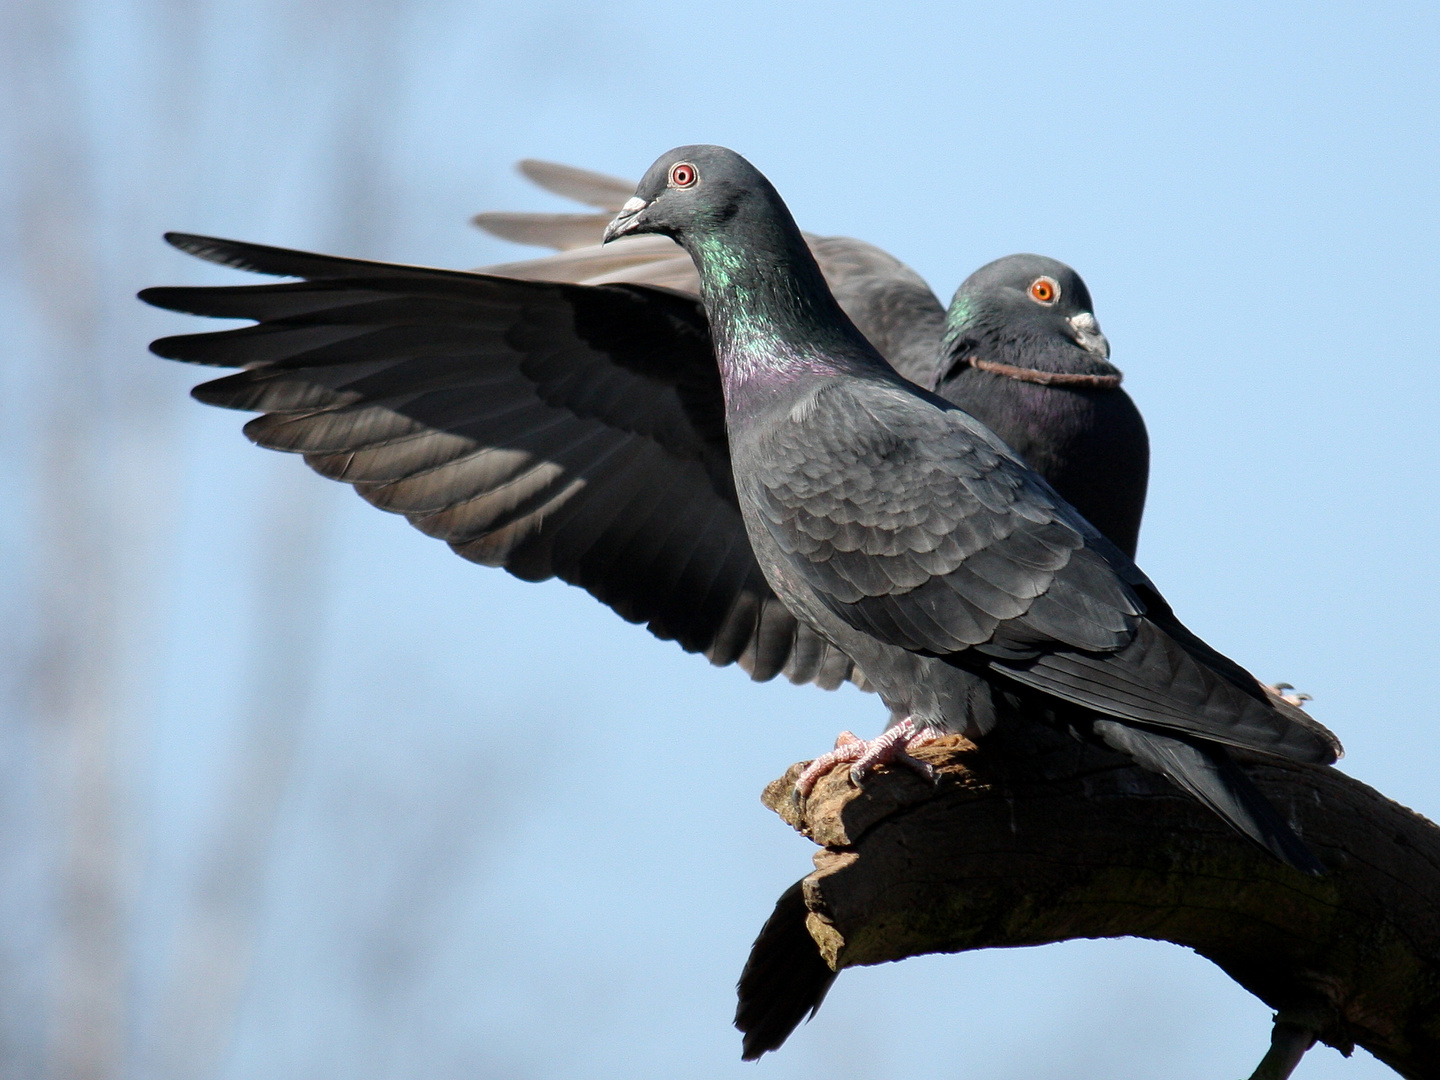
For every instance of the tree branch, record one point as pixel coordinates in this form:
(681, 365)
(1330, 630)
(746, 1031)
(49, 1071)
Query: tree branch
(1056, 840)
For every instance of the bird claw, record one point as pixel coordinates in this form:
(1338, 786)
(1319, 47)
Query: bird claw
(1294, 697)
(891, 747)
(848, 747)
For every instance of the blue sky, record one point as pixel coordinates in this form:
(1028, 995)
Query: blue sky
(519, 837)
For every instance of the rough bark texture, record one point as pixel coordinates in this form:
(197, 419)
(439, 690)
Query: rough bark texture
(1058, 840)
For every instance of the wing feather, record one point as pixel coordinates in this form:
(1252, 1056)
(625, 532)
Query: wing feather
(553, 429)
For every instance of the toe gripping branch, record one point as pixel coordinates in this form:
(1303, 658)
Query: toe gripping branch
(893, 746)
(1060, 841)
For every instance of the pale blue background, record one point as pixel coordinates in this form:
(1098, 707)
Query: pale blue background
(520, 838)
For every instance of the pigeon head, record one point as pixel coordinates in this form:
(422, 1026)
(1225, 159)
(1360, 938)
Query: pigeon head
(1030, 307)
(693, 191)
(772, 316)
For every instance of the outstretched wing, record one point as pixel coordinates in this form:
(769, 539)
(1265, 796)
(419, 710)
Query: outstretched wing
(555, 430)
(890, 303)
(916, 525)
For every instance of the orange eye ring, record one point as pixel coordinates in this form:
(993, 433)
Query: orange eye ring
(1045, 290)
(683, 175)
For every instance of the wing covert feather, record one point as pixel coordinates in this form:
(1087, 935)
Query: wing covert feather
(932, 540)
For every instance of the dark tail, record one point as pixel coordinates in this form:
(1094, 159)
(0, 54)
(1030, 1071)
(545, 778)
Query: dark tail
(784, 979)
(1206, 771)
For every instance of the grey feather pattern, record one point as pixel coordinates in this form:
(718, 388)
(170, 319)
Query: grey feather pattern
(856, 505)
(884, 520)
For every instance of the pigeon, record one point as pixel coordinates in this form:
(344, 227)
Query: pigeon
(915, 541)
(565, 421)
(1019, 348)
(969, 594)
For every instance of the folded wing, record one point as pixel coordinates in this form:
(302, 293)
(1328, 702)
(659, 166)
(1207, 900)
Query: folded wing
(916, 526)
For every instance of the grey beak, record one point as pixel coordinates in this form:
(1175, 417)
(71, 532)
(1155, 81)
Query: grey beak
(626, 220)
(1088, 336)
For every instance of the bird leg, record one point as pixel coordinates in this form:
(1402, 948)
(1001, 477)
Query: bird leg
(848, 747)
(892, 746)
(1288, 1043)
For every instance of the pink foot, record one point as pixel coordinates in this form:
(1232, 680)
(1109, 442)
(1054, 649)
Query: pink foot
(893, 746)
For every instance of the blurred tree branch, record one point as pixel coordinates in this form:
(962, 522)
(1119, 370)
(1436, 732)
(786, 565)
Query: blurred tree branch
(1057, 840)
(216, 937)
(72, 670)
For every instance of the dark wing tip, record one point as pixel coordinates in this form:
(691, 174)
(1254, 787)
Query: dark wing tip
(183, 240)
(217, 392)
(191, 349)
(785, 979)
(275, 261)
(210, 248)
(165, 348)
(257, 258)
(154, 296)
(182, 298)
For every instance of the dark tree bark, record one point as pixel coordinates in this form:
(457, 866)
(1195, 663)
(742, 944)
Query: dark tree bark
(1057, 840)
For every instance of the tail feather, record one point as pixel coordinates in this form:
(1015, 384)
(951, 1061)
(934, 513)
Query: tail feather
(582, 185)
(784, 980)
(1208, 773)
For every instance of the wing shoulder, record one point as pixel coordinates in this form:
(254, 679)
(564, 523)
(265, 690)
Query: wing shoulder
(888, 301)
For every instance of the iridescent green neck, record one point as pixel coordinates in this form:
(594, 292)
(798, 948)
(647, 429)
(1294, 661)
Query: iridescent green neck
(769, 306)
(960, 313)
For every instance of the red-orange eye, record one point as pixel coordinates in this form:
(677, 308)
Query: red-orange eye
(683, 175)
(1045, 290)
